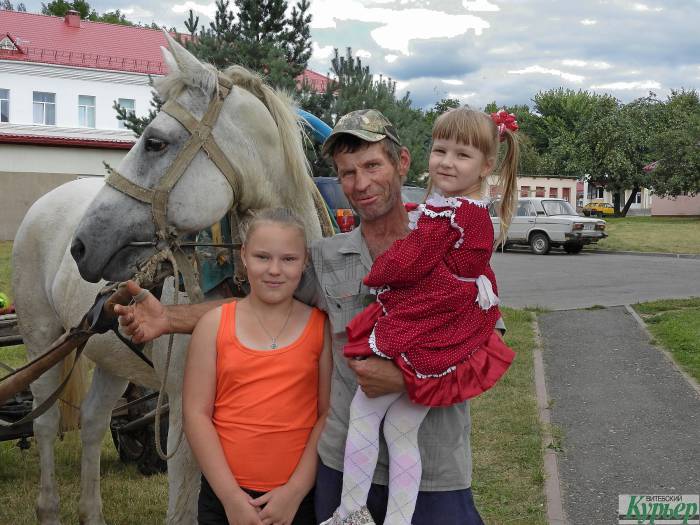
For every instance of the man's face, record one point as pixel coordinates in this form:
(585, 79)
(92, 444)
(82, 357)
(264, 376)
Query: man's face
(370, 181)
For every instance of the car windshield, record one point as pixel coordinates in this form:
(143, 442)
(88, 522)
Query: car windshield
(558, 208)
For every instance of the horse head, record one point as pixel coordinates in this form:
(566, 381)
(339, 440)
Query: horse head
(221, 141)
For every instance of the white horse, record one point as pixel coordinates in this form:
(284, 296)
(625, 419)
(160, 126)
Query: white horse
(259, 134)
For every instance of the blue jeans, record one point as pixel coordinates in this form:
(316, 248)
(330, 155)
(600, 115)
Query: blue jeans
(450, 507)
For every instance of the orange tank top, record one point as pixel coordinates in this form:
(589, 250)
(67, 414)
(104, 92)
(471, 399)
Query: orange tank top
(266, 402)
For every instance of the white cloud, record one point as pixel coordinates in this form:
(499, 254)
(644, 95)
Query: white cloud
(461, 96)
(208, 10)
(390, 58)
(511, 49)
(626, 86)
(588, 22)
(599, 65)
(363, 53)
(547, 71)
(644, 7)
(319, 52)
(453, 82)
(398, 27)
(479, 5)
(133, 12)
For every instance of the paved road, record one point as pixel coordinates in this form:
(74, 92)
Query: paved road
(559, 281)
(629, 420)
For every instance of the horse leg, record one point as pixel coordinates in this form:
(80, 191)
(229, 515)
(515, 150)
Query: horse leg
(46, 428)
(96, 413)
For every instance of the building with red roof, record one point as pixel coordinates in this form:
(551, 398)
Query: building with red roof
(59, 78)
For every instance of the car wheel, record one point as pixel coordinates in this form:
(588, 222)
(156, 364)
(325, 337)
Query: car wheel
(573, 247)
(539, 244)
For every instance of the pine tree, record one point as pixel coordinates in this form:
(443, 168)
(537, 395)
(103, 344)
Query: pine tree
(354, 87)
(261, 38)
(7, 6)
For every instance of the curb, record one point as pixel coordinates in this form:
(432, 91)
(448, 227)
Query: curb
(642, 325)
(552, 484)
(649, 254)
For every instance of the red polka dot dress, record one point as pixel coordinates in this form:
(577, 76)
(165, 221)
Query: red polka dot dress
(436, 306)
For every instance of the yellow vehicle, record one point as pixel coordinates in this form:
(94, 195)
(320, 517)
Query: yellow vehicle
(598, 208)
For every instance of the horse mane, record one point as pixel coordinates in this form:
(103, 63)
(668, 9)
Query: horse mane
(279, 104)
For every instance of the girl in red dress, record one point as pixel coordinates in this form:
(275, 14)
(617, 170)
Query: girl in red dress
(436, 309)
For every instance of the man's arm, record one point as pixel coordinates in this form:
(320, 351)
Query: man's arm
(149, 318)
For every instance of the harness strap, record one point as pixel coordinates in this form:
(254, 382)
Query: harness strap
(124, 185)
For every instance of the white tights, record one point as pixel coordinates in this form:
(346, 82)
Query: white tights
(402, 418)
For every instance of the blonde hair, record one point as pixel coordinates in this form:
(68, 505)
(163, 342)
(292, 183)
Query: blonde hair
(477, 129)
(282, 216)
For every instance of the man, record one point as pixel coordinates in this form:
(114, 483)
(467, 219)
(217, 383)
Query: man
(371, 165)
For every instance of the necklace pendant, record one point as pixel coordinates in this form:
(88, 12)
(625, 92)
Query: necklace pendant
(273, 345)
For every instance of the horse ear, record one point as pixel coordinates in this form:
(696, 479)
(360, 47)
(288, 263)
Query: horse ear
(169, 60)
(193, 71)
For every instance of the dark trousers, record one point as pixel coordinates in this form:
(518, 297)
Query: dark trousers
(210, 510)
(451, 507)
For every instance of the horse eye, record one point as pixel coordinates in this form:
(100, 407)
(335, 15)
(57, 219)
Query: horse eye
(155, 144)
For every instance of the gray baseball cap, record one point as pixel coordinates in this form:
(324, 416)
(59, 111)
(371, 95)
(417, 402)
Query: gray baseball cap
(367, 124)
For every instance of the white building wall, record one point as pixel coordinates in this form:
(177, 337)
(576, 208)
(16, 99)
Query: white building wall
(23, 78)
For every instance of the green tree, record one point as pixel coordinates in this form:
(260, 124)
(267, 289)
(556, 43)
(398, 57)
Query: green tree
(675, 146)
(260, 37)
(60, 7)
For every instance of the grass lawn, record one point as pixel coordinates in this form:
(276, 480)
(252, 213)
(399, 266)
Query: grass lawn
(675, 323)
(508, 474)
(5, 269)
(652, 234)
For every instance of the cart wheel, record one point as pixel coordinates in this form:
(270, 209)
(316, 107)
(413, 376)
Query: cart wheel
(139, 446)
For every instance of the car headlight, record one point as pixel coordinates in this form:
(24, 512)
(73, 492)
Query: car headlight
(600, 227)
(578, 226)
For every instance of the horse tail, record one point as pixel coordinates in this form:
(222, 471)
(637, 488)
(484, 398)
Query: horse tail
(74, 392)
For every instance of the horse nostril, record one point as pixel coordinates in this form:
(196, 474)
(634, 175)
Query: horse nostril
(77, 250)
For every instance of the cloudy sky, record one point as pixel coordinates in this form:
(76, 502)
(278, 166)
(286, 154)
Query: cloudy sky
(502, 50)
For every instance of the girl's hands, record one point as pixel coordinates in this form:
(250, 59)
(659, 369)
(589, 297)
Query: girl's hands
(241, 510)
(281, 504)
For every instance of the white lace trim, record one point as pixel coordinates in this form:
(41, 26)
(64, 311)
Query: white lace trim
(435, 199)
(426, 376)
(373, 345)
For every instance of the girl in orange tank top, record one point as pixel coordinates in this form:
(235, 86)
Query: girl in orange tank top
(257, 387)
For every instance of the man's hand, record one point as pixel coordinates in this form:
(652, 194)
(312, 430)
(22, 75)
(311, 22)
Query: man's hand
(377, 376)
(144, 320)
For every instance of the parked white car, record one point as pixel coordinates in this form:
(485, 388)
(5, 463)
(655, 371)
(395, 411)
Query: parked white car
(543, 223)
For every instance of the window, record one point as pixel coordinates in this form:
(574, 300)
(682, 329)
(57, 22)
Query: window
(86, 111)
(45, 108)
(539, 191)
(638, 198)
(127, 104)
(524, 209)
(4, 105)
(524, 191)
(553, 193)
(600, 193)
(566, 194)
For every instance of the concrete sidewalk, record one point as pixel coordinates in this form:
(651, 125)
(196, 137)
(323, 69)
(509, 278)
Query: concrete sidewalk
(630, 423)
